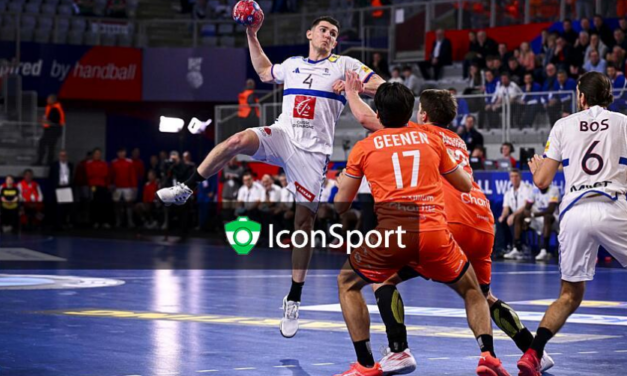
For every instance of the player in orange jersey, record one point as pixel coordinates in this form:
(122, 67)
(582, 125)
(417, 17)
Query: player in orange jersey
(403, 166)
(470, 221)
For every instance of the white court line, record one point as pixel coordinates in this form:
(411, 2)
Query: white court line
(555, 354)
(243, 368)
(323, 364)
(588, 352)
(445, 358)
(621, 351)
(207, 370)
(286, 366)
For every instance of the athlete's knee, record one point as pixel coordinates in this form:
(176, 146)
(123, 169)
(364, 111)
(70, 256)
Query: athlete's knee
(238, 142)
(572, 294)
(347, 280)
(304, 219)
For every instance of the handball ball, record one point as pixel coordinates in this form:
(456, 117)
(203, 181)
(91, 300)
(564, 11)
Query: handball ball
(247, 13)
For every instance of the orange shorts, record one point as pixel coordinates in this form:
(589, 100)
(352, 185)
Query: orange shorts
(477, 245)
(433, 254)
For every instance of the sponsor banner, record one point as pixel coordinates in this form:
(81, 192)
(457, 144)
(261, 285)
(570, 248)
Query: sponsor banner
(77, 72)
(194, 74)
(495, 183)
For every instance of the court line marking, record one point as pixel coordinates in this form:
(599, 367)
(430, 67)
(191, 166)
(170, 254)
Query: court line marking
(621, 351)
(207, 370)
(243, 368)
(588, 352)
(323, 364)
(286, 366)
(444, 358)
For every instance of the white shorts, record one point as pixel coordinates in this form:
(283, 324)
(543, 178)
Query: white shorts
(584, 228)
(304, 171)
(127, 193)
(537, 224)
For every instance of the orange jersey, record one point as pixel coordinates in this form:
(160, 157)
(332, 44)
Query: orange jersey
(404, 165)
(470, 209)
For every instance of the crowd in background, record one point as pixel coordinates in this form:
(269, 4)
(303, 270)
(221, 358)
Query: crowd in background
(108, 8)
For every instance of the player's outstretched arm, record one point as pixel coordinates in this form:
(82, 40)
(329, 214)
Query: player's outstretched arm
(360, 109)
(347, 190)
(370, 88)
(261, 63)
(543, 170)
(460, 180)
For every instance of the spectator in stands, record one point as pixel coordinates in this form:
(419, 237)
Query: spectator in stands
(507, 160)
(98, 178)
(9, 210)
(116, 8)
(604, 32)
(560, 105)
(146, 210)
(249, 197)
(124, 181)
(563, 54)
(549, 53)
(53, 123)
(596, 45)
(569, 35)
(441, 56)
(187, 159)
(178, 171)
(84, 7)
(619, 39)
(504, 54)
(581, 46)
(494, 63)
(380, 66)
(506, 90)
(622, 24)
(410, 80)
(470, 135)
(247, 114)
(491, 83)
(477, 158)
(515, 71)
(60, 177)
(32, 199)
(155, 166)
(526, 57)
(514, 203)
(544, 40)
(617, 58)
(396, 76)
(199, 11)
(595, 64)
(139, 167)
(584, 24)
(530, 103)
(619, 85)
(585, 8)
(550, 78)
(575, 71)
(231, 179)
(473, 52)
(475, 79)
(462, 108)
(486, 46)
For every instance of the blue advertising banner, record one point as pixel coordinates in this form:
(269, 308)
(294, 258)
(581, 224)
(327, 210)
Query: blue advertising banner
(194, 74)
(495, 183)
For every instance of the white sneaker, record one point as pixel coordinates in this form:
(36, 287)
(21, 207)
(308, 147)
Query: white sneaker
(177, 195)
(547, 362)
(543, 256)
(397, 363)
(289, 321)
(513, 254)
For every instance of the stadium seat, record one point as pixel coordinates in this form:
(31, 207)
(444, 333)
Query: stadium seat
(211, 41)
(108, 39)
(65, 10)
(52, 2)
(26, 34)
(7, 33)
(49, 9)
(45, 23)
(3, 5)
(227, 41)
(75, 37)
(225, 29)
(28, 22)
(78, 24)
(42, 36)
(60, 37)
(208, 30)
(15, 7)
(31, 8)
(9, 20)
(63, 24)
(90, 38)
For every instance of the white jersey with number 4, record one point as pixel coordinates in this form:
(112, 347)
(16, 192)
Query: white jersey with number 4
(592, 146)
(310, 107)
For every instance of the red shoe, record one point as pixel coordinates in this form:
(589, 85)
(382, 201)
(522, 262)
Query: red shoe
(529, 364)
(359, 370)
(490, 366)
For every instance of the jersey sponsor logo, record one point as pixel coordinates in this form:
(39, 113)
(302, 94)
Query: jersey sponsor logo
(267, 131)
(334, 58)
(583, 187)
(303, 191)
(548, 145)
(366, 69)
(297, 70)
(469, 199)
(304, 107)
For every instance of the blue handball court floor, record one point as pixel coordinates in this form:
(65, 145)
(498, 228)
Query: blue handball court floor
(107, 307)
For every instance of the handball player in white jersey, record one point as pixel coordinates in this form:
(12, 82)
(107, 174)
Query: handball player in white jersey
(301, 139)
(592, 147)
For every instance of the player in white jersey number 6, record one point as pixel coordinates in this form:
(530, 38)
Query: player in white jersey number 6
(301, 140)
(592, 147)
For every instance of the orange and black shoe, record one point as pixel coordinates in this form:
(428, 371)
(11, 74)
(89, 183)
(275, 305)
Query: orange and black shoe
(359, 370)
(529, 364)
(490, 366)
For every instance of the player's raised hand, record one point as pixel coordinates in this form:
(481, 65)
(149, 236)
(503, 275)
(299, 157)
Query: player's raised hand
(535, 163)
(253, 29)
(338, 86)
(353, 84)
